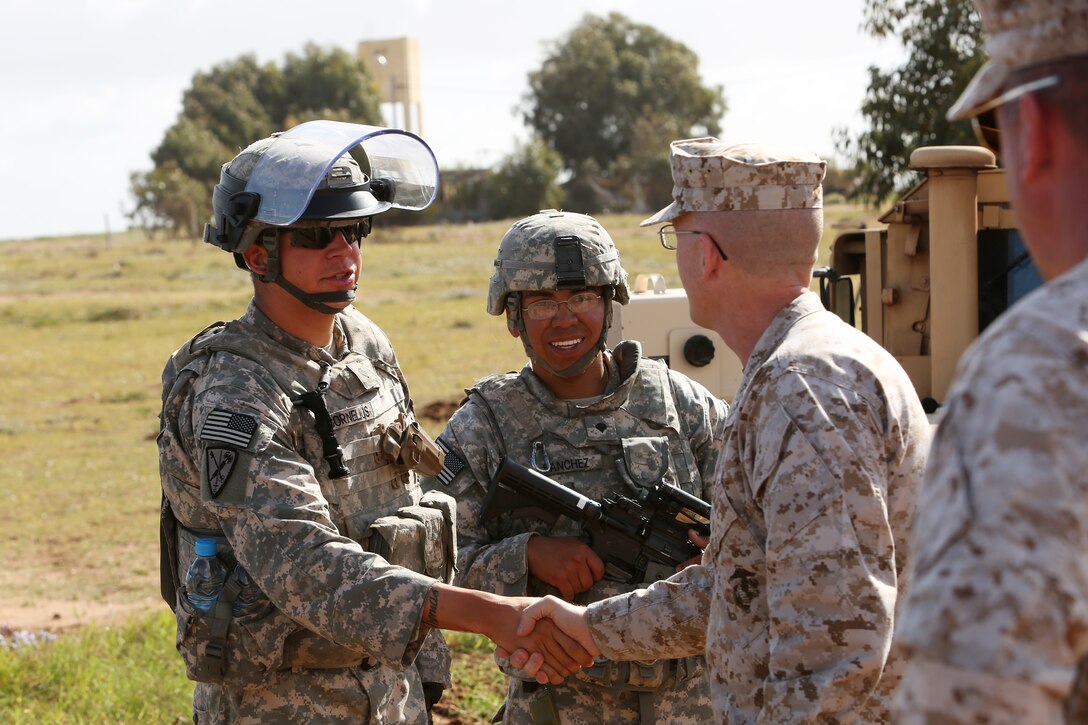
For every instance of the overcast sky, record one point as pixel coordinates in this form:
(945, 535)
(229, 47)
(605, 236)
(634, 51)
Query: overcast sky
(90, 86)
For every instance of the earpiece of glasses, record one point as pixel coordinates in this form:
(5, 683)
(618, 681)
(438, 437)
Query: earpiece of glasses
(321, 237)
(547, 309)
(668, 234)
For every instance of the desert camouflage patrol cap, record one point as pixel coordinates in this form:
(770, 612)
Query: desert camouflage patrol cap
(709, 175)
(1020, 34)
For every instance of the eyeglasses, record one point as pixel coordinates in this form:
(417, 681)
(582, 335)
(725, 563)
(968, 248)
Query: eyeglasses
(984, 123)
(668, 235)
(547, 309)
(321, 237)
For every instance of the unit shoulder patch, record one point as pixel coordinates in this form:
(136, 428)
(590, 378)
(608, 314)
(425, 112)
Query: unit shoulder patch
(218, 465)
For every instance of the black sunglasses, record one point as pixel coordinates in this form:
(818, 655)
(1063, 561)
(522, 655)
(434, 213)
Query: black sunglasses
(321, 237)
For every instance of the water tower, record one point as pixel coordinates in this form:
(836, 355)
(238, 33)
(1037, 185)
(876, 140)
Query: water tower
(394, 65)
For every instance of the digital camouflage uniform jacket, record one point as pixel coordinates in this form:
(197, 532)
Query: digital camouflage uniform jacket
(340, 628)
(652, 425)
(812, 502)
(995, 622)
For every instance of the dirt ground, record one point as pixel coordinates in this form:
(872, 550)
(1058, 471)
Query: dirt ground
(58, 615)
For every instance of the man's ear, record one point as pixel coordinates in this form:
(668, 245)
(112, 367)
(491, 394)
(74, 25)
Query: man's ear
(256, 257)
(711, 260)
(513, 329)
(1035, 137)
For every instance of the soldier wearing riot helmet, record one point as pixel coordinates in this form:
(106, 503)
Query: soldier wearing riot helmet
(288, 434)
(595, 420)
(345, 200)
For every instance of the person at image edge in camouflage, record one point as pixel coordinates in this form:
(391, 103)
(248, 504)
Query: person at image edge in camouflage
(814, 489)
(597, 421)
(288, 434)
(995, 622)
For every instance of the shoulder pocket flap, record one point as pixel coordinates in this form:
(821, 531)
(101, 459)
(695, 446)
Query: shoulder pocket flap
(647, 459)
(356, 378)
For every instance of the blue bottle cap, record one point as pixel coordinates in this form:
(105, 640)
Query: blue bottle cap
(206, 547)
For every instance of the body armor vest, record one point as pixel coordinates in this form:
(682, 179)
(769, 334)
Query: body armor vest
(366, 399)
(367, 406)
(628, 442)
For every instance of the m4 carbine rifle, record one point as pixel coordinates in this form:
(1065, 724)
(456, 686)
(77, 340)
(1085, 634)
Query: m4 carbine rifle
(638, 540)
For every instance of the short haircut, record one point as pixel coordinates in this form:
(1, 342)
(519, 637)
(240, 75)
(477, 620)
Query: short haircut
(768, 243)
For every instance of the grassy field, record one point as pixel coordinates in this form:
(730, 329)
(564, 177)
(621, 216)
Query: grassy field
(129, 673)
(86, 324)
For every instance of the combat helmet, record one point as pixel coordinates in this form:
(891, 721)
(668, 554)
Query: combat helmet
(556, 250)
(323, 174)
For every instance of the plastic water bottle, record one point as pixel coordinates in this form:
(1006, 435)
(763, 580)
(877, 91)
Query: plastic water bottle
(249, 594)
(206, 575)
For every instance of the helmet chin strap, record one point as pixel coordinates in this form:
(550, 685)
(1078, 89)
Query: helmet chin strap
(578, 366)
(313, 300)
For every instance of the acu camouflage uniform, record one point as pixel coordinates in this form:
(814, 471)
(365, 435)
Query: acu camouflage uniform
(995, 624)
(335, 634)
(812, 501)
(652, 425)
(649, 425)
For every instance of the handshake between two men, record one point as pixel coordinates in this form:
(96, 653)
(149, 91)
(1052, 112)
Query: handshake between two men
(557, 633)
(547, 638)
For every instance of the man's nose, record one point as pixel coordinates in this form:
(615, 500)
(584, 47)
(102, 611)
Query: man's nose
(564, 314)
(340, 245)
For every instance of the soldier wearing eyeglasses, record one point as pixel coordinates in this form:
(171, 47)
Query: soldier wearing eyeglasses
(596, 420)
(288, 435)
(995, 622)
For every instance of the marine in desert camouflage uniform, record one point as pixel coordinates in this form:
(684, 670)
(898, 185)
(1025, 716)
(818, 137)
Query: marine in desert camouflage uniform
(288, 434)
(995, 623)
(814, 490)
(635, 424)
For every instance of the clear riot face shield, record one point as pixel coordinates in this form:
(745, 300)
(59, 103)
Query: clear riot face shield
(293, 180)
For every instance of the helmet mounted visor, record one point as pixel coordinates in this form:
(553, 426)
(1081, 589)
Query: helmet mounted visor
(296, 179)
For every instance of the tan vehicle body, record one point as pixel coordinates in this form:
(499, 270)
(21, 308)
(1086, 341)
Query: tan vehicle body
(659, 319)
(912, 285)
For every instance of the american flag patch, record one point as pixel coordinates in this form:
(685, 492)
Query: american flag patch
(452, 464)
(235, 429)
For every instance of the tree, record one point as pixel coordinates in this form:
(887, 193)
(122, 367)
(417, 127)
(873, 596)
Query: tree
(905, 108)
(525, 182)
(230, 106)
(646, 168)
(597, 83)
(168, 199)
(334, 85)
